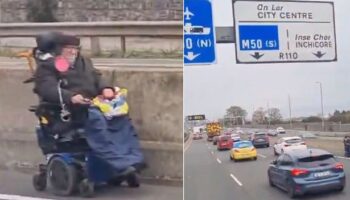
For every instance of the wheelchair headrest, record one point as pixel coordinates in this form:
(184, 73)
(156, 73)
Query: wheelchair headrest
(52, 42)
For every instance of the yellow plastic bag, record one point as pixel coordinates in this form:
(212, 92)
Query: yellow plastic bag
(115, 107)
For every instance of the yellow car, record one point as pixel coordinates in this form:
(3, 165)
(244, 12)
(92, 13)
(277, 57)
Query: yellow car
(243, 150)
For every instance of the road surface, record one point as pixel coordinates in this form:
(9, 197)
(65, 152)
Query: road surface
(210, 174)
(18, 186)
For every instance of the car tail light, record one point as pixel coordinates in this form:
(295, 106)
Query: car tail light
(287, 145)
(253, 149)
(303, 143)
(236, 150)
(299, 172)
(338, 166)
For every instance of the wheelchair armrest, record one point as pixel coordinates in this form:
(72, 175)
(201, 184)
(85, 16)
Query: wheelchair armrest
(34, 108)
(45, 103)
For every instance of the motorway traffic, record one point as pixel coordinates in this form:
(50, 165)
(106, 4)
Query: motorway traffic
(212, 174)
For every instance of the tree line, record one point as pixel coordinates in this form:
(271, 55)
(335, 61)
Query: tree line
(235, 115)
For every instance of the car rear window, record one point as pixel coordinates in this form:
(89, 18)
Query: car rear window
(242, 145)
(316, 161)
(260, 135)
(294, 140)
(225, 138)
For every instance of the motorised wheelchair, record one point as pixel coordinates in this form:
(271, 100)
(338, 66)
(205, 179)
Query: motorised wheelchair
(70, 165)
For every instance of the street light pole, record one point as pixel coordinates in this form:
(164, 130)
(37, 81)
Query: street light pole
(268, 113)
(321, 104)
(290, 112)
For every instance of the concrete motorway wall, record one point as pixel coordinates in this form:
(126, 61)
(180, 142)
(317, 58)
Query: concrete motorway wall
(155, 98)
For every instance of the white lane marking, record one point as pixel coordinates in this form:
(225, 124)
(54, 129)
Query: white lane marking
(219, 161)
(343, 157)
(261, 155)
(18, 197)
(236, 179)
(188, 143)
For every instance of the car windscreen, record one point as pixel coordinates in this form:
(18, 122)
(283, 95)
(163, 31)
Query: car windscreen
(316, 161)
(293, 141)
(240, 145)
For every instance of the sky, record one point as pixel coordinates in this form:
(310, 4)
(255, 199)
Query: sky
(211, 89)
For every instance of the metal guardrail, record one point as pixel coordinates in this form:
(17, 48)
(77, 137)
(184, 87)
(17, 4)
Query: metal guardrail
(94, 30)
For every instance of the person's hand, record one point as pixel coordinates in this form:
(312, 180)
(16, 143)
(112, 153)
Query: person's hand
(108, 93)
(79, 99)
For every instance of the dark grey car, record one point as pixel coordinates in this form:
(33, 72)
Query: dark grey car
(309, 170)
(260, 139)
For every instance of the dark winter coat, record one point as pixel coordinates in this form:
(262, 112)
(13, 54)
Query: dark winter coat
(82, 79)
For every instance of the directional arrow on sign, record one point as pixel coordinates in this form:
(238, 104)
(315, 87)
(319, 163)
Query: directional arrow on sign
(191, 56)
(257, 55)
(319, 54)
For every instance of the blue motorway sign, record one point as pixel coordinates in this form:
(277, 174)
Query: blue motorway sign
(199, 41)
(258, 37)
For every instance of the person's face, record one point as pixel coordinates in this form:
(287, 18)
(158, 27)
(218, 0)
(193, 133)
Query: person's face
(70, 53)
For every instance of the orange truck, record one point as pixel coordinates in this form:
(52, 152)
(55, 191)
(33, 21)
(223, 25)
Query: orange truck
(213, 129)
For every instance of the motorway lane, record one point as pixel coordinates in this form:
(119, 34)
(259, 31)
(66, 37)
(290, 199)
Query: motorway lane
(252, 175)
(200, 181)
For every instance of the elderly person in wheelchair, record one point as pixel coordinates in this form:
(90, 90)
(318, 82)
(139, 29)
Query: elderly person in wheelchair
(76, 101)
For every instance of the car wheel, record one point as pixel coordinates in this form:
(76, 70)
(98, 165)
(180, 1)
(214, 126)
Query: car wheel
(291, 192)
(231, 157)
(255, 158)
(274, 152)
(271, 183)
(340, 189)
(268, 146)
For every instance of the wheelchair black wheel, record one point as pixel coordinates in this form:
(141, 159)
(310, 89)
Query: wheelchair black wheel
(133, 180)
(39, 181)
(115, 181)
(62, 177)
(86, 188)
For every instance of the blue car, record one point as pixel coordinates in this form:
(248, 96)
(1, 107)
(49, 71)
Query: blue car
(309, 170)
